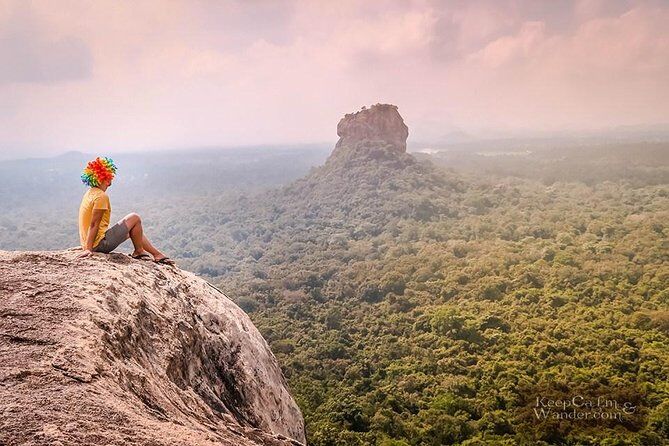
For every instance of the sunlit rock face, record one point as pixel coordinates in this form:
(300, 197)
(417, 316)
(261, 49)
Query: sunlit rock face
(108, 350)
(380, 122)
(374, 133)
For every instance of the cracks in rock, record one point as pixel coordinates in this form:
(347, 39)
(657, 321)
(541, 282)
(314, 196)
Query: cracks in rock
(209, 370)
(214, 287)
(21, 375)
(25, 340)
(84, 378)
(16, 314)
(138, 385)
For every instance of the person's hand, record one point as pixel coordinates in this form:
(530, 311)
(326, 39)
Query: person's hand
(85, 253)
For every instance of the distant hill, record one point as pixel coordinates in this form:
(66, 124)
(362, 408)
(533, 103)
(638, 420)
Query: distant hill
(369, 177)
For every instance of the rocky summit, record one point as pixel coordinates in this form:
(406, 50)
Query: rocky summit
(377, 132)
(380, 122)
(369, 176)
(108, 350)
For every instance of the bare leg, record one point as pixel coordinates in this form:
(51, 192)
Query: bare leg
(139, 240)
(134, 224)
(157, 255)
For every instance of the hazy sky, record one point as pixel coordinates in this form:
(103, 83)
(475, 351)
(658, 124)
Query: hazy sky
(114, 75)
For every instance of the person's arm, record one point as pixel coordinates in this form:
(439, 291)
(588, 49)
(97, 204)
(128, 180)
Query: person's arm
(92, 231)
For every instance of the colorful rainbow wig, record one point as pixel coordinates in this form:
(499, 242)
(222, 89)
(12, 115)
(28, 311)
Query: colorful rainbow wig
(97, 171)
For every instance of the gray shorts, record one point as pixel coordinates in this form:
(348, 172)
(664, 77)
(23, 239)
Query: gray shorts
(114, 236)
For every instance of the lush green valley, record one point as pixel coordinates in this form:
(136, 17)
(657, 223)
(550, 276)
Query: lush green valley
(414, 306)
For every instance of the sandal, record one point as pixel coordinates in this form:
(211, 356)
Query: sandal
(144, 256)
(165, 261)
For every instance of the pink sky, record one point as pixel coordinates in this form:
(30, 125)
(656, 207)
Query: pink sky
(115, 75)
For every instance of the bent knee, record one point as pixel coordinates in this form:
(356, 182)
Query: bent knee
(132, 218)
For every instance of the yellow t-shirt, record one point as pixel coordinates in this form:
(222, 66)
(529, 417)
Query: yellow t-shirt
(94, 198)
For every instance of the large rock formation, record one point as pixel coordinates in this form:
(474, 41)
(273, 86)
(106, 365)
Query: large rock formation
(377, 132)
(113, 351)
(379, 123)
(368, 178)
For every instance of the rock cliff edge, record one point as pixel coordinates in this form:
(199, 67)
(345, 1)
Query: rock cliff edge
(113, 351)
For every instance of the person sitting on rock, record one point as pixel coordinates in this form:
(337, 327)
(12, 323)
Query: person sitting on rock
(94, 213)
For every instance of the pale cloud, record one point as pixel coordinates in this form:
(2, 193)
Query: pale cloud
(149, 73)
(607, 71)
(511, 49)
(32, 53)
(636, 41)
(468, 26)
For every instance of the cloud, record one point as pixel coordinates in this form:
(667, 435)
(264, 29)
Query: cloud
(635, 41)
(509, 49)
(30, 54)
(468, 26)
(604, 72)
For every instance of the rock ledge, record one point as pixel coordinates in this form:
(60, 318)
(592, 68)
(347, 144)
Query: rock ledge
(113, 351)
